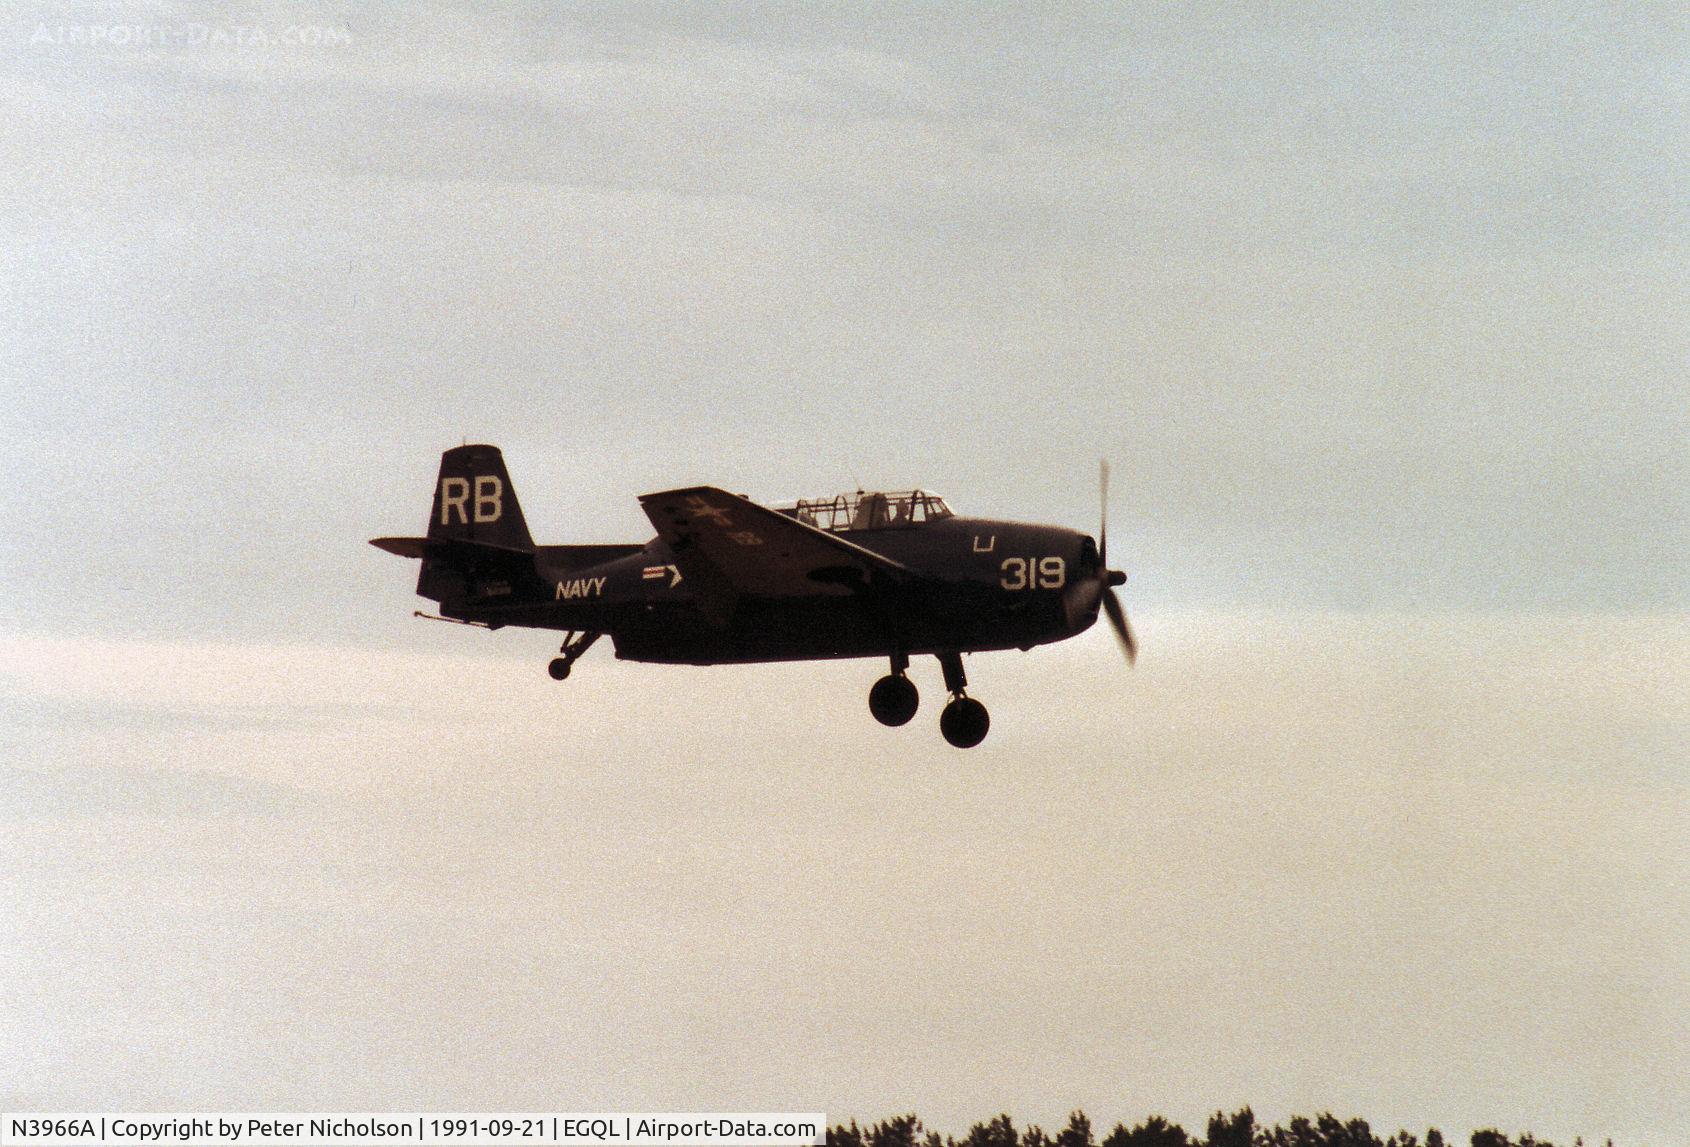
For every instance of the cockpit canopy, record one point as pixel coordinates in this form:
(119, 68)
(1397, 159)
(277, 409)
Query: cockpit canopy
(868, 511)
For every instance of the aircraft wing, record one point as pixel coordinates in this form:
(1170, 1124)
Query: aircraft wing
(729, 547)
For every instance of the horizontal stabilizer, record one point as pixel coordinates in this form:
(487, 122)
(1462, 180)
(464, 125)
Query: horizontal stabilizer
(451, 550)
(404, 547)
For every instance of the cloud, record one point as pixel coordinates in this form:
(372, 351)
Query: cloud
(101, 791)
(1420, 868)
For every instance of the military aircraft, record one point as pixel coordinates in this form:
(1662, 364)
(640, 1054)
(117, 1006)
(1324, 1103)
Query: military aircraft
(727, 580)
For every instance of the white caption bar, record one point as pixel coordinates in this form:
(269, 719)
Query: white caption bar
(432, 1129)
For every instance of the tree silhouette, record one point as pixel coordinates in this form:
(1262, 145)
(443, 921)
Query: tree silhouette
(999, 1132)
(1236, 1130)
(1077, 1133)
(1325, 1131)
(1153, 1132)
(899, 1131)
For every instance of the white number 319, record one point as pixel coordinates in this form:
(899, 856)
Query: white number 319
(1033, 573)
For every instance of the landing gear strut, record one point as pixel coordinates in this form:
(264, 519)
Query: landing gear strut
(893, 700)
(574, 645)
(964, 721)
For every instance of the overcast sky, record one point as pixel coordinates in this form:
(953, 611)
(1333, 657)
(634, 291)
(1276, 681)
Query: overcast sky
(1380, 314)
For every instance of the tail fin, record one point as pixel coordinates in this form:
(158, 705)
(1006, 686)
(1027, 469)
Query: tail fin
(475, 502)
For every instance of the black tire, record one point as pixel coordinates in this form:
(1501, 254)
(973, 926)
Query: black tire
(559, 669)
(964, 722)
(893, 700)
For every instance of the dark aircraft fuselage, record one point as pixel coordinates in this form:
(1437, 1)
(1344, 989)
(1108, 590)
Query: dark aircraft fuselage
(957, 601)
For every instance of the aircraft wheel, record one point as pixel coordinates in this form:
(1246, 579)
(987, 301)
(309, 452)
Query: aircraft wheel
(893, 699)
(559, 669)
(964, 722)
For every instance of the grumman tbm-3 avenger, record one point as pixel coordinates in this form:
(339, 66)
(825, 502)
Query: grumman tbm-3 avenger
(727, 580)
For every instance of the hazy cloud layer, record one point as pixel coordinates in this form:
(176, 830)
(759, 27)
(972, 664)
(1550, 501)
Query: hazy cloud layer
(1422, 869)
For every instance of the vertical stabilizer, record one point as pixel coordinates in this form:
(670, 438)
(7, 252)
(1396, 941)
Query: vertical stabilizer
(474, 501)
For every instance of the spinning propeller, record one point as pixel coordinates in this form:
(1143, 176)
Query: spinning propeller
(1107, 579)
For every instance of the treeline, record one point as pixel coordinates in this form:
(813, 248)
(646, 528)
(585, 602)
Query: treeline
(1239, 1129)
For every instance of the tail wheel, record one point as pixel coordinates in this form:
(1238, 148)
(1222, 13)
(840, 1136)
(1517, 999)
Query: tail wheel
(573, 647)
(893, 700)
(964, 722)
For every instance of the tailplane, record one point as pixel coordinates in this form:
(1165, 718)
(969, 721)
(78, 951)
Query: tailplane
(478, 553)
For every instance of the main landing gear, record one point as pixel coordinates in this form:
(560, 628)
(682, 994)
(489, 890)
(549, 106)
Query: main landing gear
(574, 645)
(963, 721)
(893, 699)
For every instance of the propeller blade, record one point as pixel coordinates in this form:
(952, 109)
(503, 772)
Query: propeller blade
(1103, 501)
(1106, 577)
(1118, 618)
